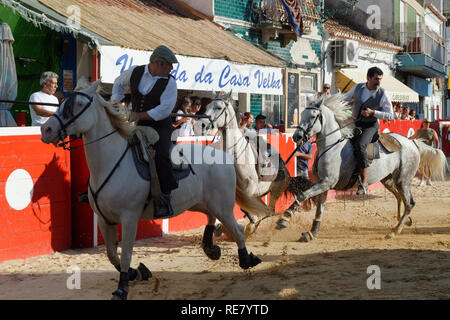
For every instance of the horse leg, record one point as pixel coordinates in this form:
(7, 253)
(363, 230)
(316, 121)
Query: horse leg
(129, 229)
(210, 249)
(246, 260)
(408, 202)
(313, 234)
(109, 233)
(390, 185)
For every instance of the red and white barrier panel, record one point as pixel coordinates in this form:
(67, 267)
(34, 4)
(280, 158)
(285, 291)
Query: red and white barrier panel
(39, 208)
(35, 213)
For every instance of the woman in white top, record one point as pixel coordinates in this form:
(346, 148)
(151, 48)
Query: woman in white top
(184, 125)
(40, 113)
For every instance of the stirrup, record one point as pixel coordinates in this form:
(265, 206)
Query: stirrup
(362, 189)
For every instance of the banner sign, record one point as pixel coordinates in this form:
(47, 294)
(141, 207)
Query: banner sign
(197, 73)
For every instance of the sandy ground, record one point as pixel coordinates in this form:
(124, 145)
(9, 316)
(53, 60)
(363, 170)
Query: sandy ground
(414, 265)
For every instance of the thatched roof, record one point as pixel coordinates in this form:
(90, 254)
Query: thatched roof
(145, 24)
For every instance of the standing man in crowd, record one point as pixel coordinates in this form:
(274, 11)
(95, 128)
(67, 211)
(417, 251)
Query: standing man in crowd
(40, 113)
(303, 154)
(261, 126)
(325, 92)
(370, 103)
(153, 97)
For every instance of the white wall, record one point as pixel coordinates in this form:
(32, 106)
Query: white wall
(204, 6)
(368, 56)
(84, 61)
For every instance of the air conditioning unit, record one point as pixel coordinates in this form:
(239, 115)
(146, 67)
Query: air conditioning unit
(346, 53)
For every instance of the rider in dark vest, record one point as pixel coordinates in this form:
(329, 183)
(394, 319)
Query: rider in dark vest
(370, 103)
(153, 97)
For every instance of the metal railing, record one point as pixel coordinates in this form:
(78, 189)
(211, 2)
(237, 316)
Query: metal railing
(422, 42)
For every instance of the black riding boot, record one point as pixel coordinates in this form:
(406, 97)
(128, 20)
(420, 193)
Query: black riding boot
(165, 208)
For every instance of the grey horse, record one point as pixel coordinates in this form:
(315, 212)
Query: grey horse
(249, 186)
(331, 122)
(118, 194)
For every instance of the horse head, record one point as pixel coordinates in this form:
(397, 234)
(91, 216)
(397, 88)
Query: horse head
(310, 123)
(221, 113)
(74, 116)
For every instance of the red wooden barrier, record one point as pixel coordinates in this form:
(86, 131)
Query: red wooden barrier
(39, 208)
(35, 215)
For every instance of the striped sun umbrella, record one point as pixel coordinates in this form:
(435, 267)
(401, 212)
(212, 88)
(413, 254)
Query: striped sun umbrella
(8, 76)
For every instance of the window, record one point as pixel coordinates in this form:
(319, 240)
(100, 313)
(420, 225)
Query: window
(273, 109)
(308, 82)
(308, 89)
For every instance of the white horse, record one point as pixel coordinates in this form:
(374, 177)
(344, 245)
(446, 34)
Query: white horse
(249, 187)
(118, 194)
(334, 164)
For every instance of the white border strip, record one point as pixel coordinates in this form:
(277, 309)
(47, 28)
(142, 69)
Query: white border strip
(19, 131)
(165, 227)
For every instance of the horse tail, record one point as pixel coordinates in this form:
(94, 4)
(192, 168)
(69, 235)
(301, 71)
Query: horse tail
(432, 160)
(252, 205)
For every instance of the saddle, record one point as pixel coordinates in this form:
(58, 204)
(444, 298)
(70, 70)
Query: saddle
(390, 145)
(143, 152)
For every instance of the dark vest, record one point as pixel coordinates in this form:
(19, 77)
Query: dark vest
(373, 103)
(141, 103)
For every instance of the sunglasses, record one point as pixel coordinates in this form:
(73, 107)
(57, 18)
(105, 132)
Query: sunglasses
(326, 87)
(197, 103)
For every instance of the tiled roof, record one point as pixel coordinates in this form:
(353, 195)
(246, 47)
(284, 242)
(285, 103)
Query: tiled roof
(337, 30)
(145, 24)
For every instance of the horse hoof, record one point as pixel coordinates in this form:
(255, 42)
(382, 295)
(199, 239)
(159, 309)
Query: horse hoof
(249, 229)
(282, 223)
(144, 272)
(119, 294)
(409, 222)
(247, 260)
(306, 237)
(218, 230)
(213, 252)
(390, 235)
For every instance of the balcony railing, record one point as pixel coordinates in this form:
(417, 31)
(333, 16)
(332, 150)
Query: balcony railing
(422, 42)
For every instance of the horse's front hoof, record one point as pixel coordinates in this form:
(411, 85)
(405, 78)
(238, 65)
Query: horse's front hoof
(144, 272)
(246, 260)
(409, 222)
(119, 294)
(306, 237)
(212, 252)
(281, 224)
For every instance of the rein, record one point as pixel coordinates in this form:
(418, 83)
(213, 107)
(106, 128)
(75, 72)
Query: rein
(64, 143)
(324, 136)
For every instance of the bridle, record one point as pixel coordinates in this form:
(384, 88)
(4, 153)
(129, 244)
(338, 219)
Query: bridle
(69, 103)
(311, 125)
(222, 112)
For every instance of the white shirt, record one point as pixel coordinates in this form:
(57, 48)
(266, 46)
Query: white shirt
(168, 97)
(185, 129)
(41, 96)
(386, 113)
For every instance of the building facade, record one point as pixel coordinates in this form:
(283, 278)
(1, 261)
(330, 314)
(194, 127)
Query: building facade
(419, 30)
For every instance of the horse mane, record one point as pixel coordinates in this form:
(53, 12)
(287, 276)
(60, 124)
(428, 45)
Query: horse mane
(118, 117)
(342, 113)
